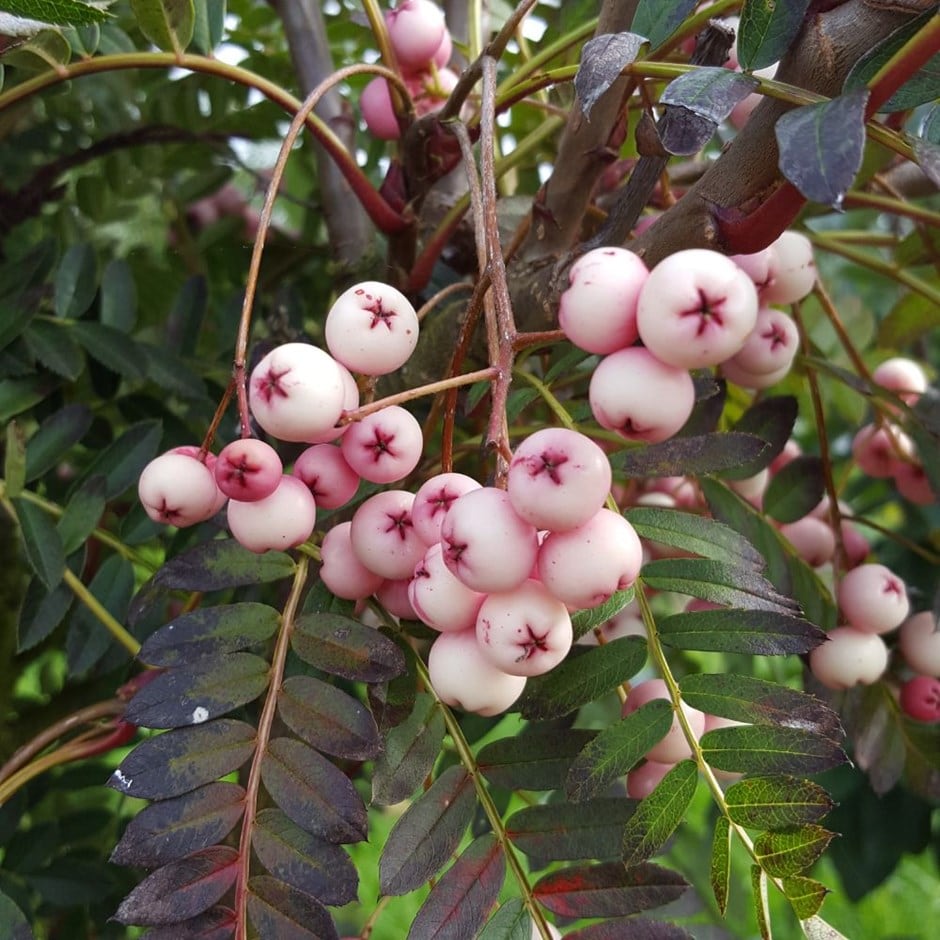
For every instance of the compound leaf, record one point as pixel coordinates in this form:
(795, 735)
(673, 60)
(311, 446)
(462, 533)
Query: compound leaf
(538, 759)
(776, 802)
(790, 851)
(767, 749)
(280, 910)
(220, 564)
(345, 647)
(760, 632)
(658, 814)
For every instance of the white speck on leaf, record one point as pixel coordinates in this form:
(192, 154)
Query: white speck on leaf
(200, 715)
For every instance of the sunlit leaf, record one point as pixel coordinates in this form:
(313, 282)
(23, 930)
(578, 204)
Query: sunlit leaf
(168, 24)
(767, 749)
(790, 851)
(56, 12)
(763, 633)
(539, 759)
(761, 905)
(658, 814)
(776, 802)
(280, 910)
(603, 58)
(767, 28)
(345, 647)
(720, 867)
(804, 894)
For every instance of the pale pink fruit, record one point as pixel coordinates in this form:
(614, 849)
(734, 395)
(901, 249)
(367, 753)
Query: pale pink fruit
(919, 641)
(433, 501)
(416, 29)
(341, 570)
(854, 544)
(383, 537)
(350, 403)
(879, 449)
(913, 483)
(849, 657)
(771, 346)
(794, 270)
(441, 600)
(812, 539)
(178, 489)
(873, 598)
(639, 396)
(393, 596)
(902, 376)
(674, 746)
(327, 475)
(375, 103)
(757, 266)
(464, 678)
(281, 520)
(524, 632)
(248, 469)
(385, 446)
(733, 373)
(696, 308)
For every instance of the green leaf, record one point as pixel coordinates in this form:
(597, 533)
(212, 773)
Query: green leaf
(720, 868)
(14, 461)
(767, 749)
(42, 543)
(313, 792)
(302, 860)
(55, 437)
(112, 348)
(790, 851)
(76, 282)
(659, 19)
(209, 24)
(693, 533)
(537, 759)
(165, 369)
(82, 514)
(280, 910)
(118, 296)
(709, 91)
(608, 889)
(658, 814)
(328, 719)
(567, 831)
(168, 24)
(510, 922)
(427, 833)
(761, 905)
(762, 633)
(198, 691)
(56, 12)
(776, 802)
(821, 146)
(617, 749)
(225, 628)
(345, 647)
(220, 564)
(19, 395)
(410, 751)
(694, 456)
(40, 613)
(804, 894)
(583, 677)
(767, 28)
(772, 419)
(14, 920)
(583, 621)
(795, 490)
(122, 461)
(183, 759)
(50, 343)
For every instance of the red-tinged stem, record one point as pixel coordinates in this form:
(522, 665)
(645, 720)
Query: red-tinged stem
(904, 64)
(379, 211)
(543, 338)
(441, 295)
(744, 233)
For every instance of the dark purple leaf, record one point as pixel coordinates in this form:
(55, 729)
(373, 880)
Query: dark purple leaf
(659, 19)
(694, 456)
(771, 419)
(344, 647)
(203, 690)
(182, 760)
(603, 58)
(279, 910)
(875, 728)
(760, 632)
(329, 719)
(312, 792)
(767, 29)
(539, 759)
(225, 628)
(795, 490)
(307, 863)
(169, 829)
(182, 889)
(769, 749)
(608, 889)
(821, 146)
(59, 432)
(428, 833)
(633, 928)
(220, 564)
(460, 902)
(218, 923)
(711, 93)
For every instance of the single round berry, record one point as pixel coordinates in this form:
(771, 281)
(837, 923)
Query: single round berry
(873, 598)
(920, 698)
(913, 483)
(350, 403)
(248, 469)
(902, 376)
(383, 537)
(919, 640)
(674, 746)
(771, 346)
(375, 103)
(392, 594)
(441, 600)
(812, 539)
(793, 270)
(178, 489)
(327, 475)
(416, 29)
(849, 657)
(385, 446)
(341, 571)
(879, 449)
(732, 372)
(433, 501)
(281, 520)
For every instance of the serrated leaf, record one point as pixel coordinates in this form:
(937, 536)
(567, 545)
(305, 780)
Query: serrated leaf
(112, 348)
(760, 632)
(617, 749)
(217, 923)
(304, 861)
(693, 533)
(511, 921)
(76, 281)
(280, 910)
(41, 542)
(583, 621)
(658, 814)
(767, 749)
(720, 867)
(567, 831)
(410, 751)
(717, 582)
(183, 759)
(603, 58)
(199, 691)
(168, 24)
(427, 833)
(583, 677)
(694, 456)
(345, 647)
(772, 419)
(776, 802)
(169, 829)
(458, 904)
(57, 12)
(82, 514)
(790, 851)
(659, 19)
(40, 613)
(795, 490)
(14, 461)
(539, 759)
(118, 296)
(804, 894)
(752, 700)
(761, 905)
(709, 92)
(55, 436)
(766, 31)
(181, 889)
(167, 371)
(312, 792)
(608, 889)
(123, 460)
(328, 719)
(821, 146)
(221, 564)
(50, 343)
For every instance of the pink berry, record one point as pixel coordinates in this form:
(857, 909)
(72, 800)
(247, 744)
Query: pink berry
(902, 376)
(674, 746)
(639, 396)
(732, 372)
(849, 657)
(525, 631)
(558, 479)
(350, 403)
(341, 571)
(248, 469)
(375, 102)
(179, 490)
(879, 449)
(756, 266)
(771, 346)
(812, 539)
(383, 537)
(372, 328)
(696, 309)
(920, 698)
(919, 641)
(385, 446)
(329, 478)
(793, 272)
(433, 501)
(296, 392)
(392, 594)
(416, 29)
(913, 483)
(440, 599)
(598, 310)
(873, 598)
(281, 520)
